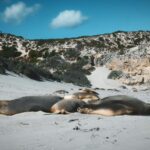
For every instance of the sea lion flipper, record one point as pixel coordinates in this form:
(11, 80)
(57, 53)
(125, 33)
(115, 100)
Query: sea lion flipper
(64, 112)
(84, 110)
(61, 112)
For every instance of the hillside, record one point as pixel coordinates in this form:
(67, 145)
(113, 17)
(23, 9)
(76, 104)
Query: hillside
(127, 54)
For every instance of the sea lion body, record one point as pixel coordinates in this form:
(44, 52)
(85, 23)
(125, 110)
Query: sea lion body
(67, 106)
(118, 105)
(28, 103)
(85, 95)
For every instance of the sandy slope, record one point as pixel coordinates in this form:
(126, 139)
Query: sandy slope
(41, 131)
(13, 86)
(99, 76)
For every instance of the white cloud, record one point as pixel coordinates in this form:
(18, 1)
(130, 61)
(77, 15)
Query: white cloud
(19, 11)
(68, 18)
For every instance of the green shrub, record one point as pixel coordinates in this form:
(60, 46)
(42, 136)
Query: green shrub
(53, 53)
(47, 54)
(20, 67)
(34, 54)
(56, 62)
(2, 70)
(79, 65)
(71, 54)
(24, 44)
(2, 66)
(9, 52)
(76, 77)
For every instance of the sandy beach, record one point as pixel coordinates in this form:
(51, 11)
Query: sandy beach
(39, 130)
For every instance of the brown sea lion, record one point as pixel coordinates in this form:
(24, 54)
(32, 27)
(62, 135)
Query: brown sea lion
(86, 95)
(89, 91)
(27, 104)
(66, 106)
(117, 105)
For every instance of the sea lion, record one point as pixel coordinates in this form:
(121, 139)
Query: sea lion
(66, 106)
(117, 105)
(86, 95)
(89, 91)
(27, 104)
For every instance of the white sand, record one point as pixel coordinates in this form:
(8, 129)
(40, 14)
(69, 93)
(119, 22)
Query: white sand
(39, 131)
(98, 78)
(13, 86)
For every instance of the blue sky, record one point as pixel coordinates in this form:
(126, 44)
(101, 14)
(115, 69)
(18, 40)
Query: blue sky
(38, 19)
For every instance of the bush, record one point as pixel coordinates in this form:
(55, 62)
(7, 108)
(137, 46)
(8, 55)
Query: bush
(20, 67)
(9, 52)
(56, 62)
(24, 44)
(98, 44)
(3, 65)
(76, 77)
(32, 71)
(52, 53)
(71, 54)
(2, 70)
(58, 75)
(79, 65)
(47, 54)
(36, 73)
(34, 54)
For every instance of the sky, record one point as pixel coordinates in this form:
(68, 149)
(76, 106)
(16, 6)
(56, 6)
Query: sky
(45, 19)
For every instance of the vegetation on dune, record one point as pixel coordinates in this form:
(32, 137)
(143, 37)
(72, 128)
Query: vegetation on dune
(76, 77)
(71, 54)
(70, 60)
(9, 52)
(21, 67)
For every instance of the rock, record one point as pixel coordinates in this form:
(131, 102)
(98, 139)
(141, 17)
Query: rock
(115, 74)
(123, 87)
(115, 90)
(134, 90)
(99, 89)
(139, 80)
